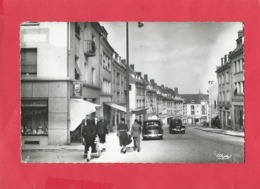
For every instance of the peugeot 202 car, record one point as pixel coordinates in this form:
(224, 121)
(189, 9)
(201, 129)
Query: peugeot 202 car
(152, 129)
(176, 126)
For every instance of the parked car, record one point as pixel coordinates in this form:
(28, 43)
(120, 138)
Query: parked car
(176, 126)
(152, 129)
(215, 123)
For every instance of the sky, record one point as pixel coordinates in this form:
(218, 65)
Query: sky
(176, 54)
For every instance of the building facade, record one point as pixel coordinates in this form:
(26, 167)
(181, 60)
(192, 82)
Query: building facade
(118, 106)
(59, 63)
(231, 87)
(196, 106)
(137, 96)
(237, 67)
(224, 92)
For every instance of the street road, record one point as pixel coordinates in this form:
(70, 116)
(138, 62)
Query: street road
(195, 146)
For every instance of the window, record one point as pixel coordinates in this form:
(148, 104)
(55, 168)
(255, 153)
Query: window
(77, 68)
(106, 87)
(29, 61)
(203, 110)
(77, 30)
(192, 110)
(34, 117)
(227, 77)
(227, 96)
(93, 74)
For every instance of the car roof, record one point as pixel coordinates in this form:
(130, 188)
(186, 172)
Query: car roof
(152, 120)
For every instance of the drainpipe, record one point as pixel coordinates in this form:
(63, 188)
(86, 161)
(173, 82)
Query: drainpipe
(68, 75)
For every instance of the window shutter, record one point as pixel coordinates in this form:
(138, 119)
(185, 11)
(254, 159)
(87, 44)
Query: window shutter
(29, 61)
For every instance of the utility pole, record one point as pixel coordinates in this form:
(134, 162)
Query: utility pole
(140, 24)
(127, 79)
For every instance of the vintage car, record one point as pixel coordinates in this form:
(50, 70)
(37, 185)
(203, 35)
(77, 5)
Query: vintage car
(152, 129)
(176, 126)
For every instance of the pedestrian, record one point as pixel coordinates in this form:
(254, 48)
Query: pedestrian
(136, 134)
(88, 134)
(102, 131)
(123, 134)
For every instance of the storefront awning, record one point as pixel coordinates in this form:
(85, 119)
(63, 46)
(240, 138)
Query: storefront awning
(78, 110)
(117, 107)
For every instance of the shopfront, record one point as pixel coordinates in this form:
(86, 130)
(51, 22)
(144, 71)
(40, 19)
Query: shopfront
(34, 121)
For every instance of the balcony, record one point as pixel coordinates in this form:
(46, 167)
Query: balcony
(89, 48)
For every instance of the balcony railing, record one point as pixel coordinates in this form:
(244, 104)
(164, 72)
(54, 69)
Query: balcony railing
(89, 48)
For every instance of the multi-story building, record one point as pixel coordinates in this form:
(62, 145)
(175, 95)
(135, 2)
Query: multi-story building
(159, 100)
(213, 100)
(118, 105)
(59, 70)
(197, 107)
(224, 92)
(106, 58)
(231, 87)
(150, 98)
(237, 67)
(178, 103)
(136, 95)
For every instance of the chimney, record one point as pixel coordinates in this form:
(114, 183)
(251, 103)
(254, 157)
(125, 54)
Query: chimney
(145, 77)
(123, 61)
(176, 90)
(222, 61)
(138, 74)
(152, 82)
(226, 58)
(132, 66)
(240, 33)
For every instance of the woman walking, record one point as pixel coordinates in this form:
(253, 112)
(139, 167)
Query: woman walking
(122, 132)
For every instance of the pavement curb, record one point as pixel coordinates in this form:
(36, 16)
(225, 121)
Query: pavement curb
(219, 132)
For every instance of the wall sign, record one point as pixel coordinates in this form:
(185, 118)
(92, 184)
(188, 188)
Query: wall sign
(77, 89)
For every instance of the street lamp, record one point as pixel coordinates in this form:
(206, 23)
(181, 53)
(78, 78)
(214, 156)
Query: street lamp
(140, 24)
(210, 101)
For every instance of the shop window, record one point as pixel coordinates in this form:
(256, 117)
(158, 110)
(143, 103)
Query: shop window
(29, 61)
(34, 117)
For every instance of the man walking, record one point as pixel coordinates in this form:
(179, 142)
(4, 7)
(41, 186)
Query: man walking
(102, 131)
(136, 134)
(88, 134)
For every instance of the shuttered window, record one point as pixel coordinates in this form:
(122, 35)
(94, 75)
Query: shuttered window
(29, 61)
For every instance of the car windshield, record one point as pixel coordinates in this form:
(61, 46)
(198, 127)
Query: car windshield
(176, 121)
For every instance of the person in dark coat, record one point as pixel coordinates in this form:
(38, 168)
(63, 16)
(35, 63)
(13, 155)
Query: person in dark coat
(88, 134)
(102, 131)
(122, 130)
(136, 134)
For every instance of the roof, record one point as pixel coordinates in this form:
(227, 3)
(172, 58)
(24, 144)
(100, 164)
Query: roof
(194, 98)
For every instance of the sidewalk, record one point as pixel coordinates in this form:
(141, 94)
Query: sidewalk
(111, 140)
(221, 131)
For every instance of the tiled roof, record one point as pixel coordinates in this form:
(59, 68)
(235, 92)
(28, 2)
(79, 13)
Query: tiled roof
(194, 98)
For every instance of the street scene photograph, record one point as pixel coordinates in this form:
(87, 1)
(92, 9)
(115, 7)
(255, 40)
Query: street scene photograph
(132, 92)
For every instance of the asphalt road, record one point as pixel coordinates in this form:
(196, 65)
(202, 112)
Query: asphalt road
(195, 146)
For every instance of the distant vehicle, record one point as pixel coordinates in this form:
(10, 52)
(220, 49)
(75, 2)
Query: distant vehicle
(176, 126)
(152, 129)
